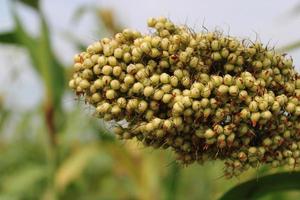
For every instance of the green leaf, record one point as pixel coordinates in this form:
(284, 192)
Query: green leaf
(172, 181)
(52, 70)
(24, 39)
(43, 60)
(259, 187)
(8, 38)
(290, 47)
(72, 168)
(31, 3)
(19, 182)
(4, 116)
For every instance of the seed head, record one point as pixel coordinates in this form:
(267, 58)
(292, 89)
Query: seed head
(206, 96)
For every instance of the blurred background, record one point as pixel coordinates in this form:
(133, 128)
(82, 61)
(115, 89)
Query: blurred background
(51, 146)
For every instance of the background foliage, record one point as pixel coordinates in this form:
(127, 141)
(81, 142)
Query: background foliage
(54, 152)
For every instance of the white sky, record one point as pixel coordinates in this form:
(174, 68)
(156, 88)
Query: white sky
(270, 19)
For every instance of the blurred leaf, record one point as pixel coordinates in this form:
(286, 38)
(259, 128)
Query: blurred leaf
(4, 116)
(295, 10)
(108, 17)
(80, 12)
(101, 127)
(290, 47)
(21, 181)
(172, 181)
(32, 3)
(43, 59)
(23, 38)
(7, 197)
(8, 37)
(73, 167)
(258, 187)
(75, 41)
(52, 71)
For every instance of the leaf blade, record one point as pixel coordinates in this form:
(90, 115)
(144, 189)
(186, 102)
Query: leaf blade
(255, 188)
(24, 39)
(8, 38)
(52, 70)
(31, 3)
(72, 168)
(290, 47)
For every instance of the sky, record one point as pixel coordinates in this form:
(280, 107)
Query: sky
(271, 21)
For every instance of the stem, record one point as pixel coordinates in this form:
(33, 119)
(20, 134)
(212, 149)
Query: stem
(49, 112)
(49, 118)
